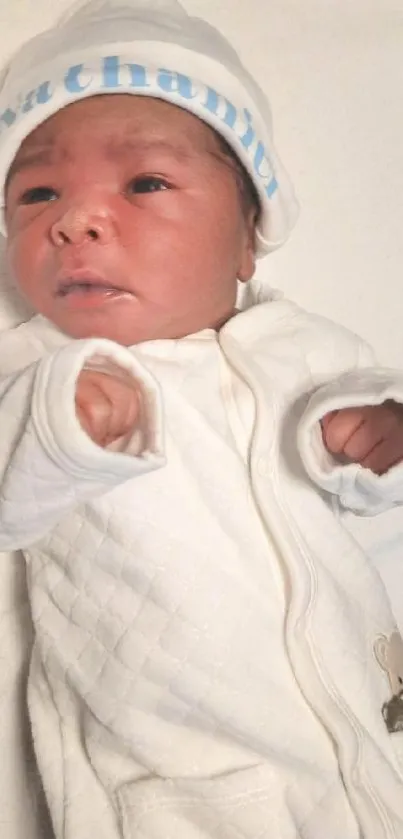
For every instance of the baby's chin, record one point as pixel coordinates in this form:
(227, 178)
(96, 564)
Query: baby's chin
(121, 328)
(127, 324)
(120, 333)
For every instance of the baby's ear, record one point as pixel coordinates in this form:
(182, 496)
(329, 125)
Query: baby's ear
(247, 262)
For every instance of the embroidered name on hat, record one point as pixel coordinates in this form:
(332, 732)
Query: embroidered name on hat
(113, 75)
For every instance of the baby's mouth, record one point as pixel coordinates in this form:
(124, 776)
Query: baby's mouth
(87, 288)
(87, 285)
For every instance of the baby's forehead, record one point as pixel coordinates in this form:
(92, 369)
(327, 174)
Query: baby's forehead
(117, 127)
(124, 120)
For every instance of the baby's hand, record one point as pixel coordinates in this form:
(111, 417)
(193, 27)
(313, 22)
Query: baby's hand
(371, 435)
(107, 407)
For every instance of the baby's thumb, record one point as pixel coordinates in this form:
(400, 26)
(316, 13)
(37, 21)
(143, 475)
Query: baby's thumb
(93, 414)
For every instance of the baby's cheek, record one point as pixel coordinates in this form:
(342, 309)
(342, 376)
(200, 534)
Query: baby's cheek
(24, 262)
(18, 259)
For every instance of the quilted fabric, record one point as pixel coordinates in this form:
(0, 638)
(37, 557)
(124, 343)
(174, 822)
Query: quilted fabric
(203, 661)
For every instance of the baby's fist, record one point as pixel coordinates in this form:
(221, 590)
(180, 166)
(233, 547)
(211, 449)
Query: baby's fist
(107, 407)
(371, 435)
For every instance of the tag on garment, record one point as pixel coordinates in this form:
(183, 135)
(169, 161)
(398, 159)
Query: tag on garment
(389, 654)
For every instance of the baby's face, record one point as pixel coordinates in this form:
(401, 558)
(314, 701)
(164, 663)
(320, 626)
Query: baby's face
(125, 221)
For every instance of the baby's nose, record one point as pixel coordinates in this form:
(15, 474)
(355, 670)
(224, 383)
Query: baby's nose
(81, 224)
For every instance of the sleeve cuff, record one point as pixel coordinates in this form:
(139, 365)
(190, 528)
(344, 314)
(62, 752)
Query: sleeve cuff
(358, 489)
(59, 430)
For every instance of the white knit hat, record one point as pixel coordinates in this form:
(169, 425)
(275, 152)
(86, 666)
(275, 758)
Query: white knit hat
(149, 48)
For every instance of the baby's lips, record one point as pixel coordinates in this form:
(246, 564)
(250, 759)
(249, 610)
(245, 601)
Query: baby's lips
(85, 286)
(80, 279)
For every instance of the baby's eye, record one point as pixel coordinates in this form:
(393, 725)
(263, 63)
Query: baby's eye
(38, 194)
(147, 183)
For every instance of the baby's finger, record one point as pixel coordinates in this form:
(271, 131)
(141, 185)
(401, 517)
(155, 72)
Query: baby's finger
(362, 442)
(380, 423)
(128, 419)
(339, 426)
(92, 411)
(125, 410)
(388, 453)
(327, 419)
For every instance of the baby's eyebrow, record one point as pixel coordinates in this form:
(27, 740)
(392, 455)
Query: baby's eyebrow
(115, 148)
(38, 156)
(44, 155)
